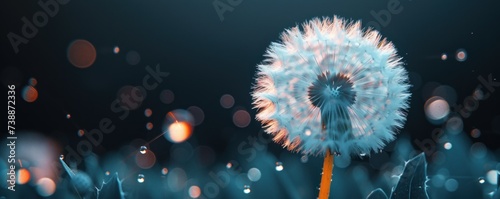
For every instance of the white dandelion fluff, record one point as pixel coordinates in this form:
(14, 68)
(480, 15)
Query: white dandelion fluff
(331, 86)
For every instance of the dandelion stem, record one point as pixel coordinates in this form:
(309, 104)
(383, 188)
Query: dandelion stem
(326, 177)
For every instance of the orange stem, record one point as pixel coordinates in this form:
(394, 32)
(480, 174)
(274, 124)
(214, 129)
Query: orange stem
(326, 177)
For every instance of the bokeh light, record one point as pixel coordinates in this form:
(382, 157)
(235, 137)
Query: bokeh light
(81, 53)
(164, 171)
(194, 191)
(254, 174)
(227, 101)
(116, 50)
(145, 160)
(444, 56)
(436, 109)
(197, 114)
(68, 116)
(478, 150)
(167, 96)
(45, 187)
(176, 179)
(133, 58)
(448, 93)
(148, 112)
(461, 55)
(438, 180)
(80, 133)
(454, 125)
(179, 132)
(178, 126)
(492, 177)
(30, 94)
(149, 126)
(32, 81)
(447, 146)
(475, 133)
(23, 176)
(241, 118)
(451, 185)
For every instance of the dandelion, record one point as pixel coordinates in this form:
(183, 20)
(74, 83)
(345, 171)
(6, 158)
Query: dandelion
(331, 88)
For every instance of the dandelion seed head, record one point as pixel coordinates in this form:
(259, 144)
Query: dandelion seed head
(329, 85)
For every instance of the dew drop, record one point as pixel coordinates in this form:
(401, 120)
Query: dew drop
(140, 178)
(362, 154)
(229, 165)
(246, 189)
(481, 180)
(143, 149)
(279, 166)
(107, 173)
(61, 157)
(68, 116)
